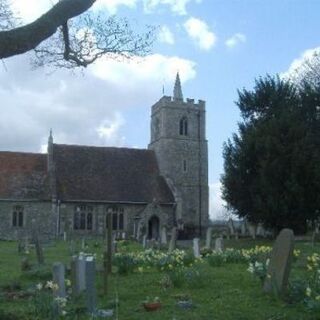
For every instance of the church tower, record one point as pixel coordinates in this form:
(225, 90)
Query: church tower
(179, 140)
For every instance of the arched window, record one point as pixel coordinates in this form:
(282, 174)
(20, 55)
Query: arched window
(183, 127)
(17, 216)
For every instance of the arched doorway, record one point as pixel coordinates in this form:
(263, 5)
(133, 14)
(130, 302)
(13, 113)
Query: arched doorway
(153, 228)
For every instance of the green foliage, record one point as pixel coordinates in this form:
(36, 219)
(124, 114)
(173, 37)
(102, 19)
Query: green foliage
(216, 259)
(272, 166)
(125, 263)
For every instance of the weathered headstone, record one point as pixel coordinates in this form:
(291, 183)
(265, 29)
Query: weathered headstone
(244, 228)
(172, 244)
(64, 236)
(91, 294)
(58, 272)
(83, 243)
(260, 230)
(280, 263)
(252, 230)
(208, 238)
(219, 245)
(236, 235)
(163, 238)
(196, 248)
(144, 241)
(231, 227)
(39, 251)
(80, 269)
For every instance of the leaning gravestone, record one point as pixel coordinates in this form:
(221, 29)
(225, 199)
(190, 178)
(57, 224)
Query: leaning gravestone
(196, 248)
(91, 294)
(280, 263)
(208, 238)
(172, 244)
(58, 278)
(219, 245)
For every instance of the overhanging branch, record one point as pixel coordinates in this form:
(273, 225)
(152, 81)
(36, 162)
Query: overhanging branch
(28, 37)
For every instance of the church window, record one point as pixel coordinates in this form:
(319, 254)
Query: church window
(184, 165)
(17, 216)
(183, 127)
(83, 218)
(117, 218)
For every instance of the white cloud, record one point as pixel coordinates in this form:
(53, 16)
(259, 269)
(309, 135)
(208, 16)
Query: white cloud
(165, 35)
(199, 31)
(295, 68)
(139, 71)
(29, 10)
(112, 5)
(176, 6)
(216, 209)
(236, 39)
(88, 108)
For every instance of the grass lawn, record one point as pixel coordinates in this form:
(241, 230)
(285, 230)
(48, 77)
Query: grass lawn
(228, 292)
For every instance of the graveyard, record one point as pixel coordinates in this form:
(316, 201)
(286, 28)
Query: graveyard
(229, 280)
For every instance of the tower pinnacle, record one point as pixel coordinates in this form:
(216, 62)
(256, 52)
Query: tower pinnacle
(50, 139)
(177, 91)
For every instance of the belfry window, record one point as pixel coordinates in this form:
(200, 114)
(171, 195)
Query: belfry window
(17, 216)
(117, 218)
(184, 165)
(183, 127)
(83, 218)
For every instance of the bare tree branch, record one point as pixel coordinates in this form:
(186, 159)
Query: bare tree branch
(28, 37)
(84, 40)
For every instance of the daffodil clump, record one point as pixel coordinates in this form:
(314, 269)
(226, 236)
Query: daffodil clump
(259, 269)
(258, 253)
(45, 304)
(312, 292)
(150, 258)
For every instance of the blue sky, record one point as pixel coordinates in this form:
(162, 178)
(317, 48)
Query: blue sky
(217, 46)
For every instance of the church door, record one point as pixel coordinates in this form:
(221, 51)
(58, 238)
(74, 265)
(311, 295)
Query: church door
(154, 226)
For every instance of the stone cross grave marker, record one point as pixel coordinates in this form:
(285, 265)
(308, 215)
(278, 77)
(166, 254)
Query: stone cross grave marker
(196, 248)
(172, 244)
(280, 263)
(58, 272)
(91, 294)
(208, 238)
(219, 245)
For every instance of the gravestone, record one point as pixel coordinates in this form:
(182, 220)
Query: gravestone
(144, 241)
(196, 248)
(236, 235)
(39, 251)
(163, 238)
(219, 245)
(252, 230)
(172, 244)
(244, 228)
(231, 226)
(208, 238)
(79, 275)
(83, 243)
(260, 230)
(58, 272)
(280, 263)
(91, 294)
(64, 236)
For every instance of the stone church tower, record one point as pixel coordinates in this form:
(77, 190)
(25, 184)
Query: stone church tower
(179, 140)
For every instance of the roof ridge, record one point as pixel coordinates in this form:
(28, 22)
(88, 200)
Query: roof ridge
(100, 147)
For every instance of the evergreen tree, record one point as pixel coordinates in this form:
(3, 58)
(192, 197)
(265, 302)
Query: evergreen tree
(272, 165)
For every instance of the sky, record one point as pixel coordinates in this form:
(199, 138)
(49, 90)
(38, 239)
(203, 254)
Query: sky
(218, 47)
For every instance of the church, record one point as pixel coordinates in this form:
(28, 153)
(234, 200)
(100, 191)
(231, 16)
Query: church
(73, 188)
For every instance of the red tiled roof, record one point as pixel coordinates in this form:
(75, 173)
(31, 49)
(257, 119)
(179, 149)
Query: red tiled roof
(23, 175)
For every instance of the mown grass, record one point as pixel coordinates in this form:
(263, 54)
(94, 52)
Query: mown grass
(228, 292)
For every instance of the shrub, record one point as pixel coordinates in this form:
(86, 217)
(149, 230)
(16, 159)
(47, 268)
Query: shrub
(125, 263)
(216, 259)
